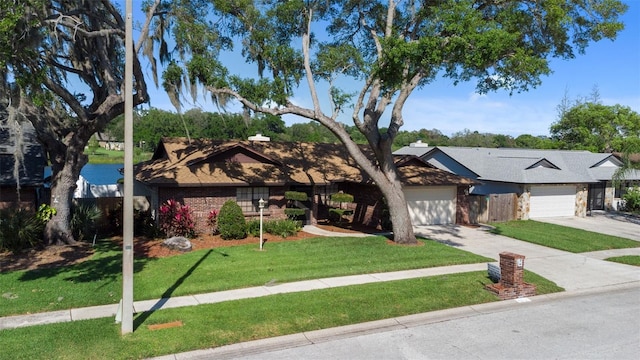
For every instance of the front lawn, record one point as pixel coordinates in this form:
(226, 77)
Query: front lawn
(561, 237)
(98, 280)
(231, 322)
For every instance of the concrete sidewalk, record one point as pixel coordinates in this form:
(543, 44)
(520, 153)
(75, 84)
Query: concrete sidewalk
(574, 272)
(103, 311)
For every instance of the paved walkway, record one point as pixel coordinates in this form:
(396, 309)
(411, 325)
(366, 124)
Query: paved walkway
(571, 271)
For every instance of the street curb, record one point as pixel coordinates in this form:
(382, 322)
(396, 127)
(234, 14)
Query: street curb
(379, 326)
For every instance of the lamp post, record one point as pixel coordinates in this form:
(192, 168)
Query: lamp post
(261, 203)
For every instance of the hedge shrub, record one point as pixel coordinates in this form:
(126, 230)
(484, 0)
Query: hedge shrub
(231, 222)
(19, 230)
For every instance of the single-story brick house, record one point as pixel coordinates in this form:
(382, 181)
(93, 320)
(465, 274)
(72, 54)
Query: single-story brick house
(31, 170)
(204, 174)
(548, 183)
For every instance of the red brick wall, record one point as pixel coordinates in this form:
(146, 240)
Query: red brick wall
(202, 200)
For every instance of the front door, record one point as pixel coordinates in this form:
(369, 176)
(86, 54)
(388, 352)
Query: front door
(596, 196)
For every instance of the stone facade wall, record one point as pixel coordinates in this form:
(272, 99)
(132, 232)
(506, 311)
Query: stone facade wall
(609, 197)
(582, 200)
(524, 204)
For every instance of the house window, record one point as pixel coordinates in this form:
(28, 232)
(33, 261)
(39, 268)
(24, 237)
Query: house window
(248, 198)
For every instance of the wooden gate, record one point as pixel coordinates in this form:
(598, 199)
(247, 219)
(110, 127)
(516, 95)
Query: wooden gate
(503, 207)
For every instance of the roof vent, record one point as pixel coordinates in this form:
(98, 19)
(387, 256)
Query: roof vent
(259, 137)
(419, 143)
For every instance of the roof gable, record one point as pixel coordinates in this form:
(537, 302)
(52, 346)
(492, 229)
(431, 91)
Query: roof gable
(181, 162)
(543, 163)
(521, 166)
(237, 153)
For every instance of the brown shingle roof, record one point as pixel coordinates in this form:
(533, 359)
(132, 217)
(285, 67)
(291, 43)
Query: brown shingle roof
(203, 162)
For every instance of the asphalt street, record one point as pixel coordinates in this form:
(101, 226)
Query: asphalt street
(593, 325)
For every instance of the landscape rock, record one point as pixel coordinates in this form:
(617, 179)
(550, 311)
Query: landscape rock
(179, 243)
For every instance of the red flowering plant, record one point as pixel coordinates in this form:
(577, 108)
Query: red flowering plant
(176, 219)
(212, 221)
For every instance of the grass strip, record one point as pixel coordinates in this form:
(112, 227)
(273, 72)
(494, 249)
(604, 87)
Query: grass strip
(225, 323)
(627, 259)
(98, 280)
(561, 237)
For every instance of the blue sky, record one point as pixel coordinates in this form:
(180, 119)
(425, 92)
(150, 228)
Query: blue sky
(611, 66)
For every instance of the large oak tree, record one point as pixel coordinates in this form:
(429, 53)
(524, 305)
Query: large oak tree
(63, 69)
(386, 48)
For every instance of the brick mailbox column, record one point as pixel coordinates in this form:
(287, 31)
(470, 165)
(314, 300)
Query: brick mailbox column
(511, 284)
(511, 269)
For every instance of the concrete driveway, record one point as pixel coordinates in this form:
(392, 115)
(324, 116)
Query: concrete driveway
(571, 271)
(604, 223)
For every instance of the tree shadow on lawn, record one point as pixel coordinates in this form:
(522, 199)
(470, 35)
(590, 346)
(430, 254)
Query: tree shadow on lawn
(99, 268)
(167, 294)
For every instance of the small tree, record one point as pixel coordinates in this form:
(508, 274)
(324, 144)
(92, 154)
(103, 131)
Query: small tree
(292, 211)
(339, 212)
(231, 221)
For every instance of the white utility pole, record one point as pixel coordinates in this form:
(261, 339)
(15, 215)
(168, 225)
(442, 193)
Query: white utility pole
(127, 200)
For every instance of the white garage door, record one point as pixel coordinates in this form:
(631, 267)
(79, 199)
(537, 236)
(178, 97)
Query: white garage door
(552, 201)
(431, 205)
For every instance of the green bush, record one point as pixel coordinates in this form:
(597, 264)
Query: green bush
(84, 220)
(293, 213)
(342, 198)
(253, 227)
(231, 222)
(337, 214)
(632, 199)
(282, 228)
(296, 195)
(143, 223)
(19, 230)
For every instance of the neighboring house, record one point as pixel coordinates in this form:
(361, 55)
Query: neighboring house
(547, 182)
(86, 190)
(31, 170)
(204, 174)
(105, 141)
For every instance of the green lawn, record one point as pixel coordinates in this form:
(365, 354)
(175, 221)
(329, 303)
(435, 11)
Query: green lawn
(98, 280)
(243, 320)
(561, 237)
(104, 156)
(627, 259)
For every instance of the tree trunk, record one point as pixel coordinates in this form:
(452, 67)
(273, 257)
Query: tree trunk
(63, 184)
(58, 230)
(399, 213)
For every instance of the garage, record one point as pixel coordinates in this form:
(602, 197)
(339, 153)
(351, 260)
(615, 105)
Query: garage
(431, 205)
(552, 201)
